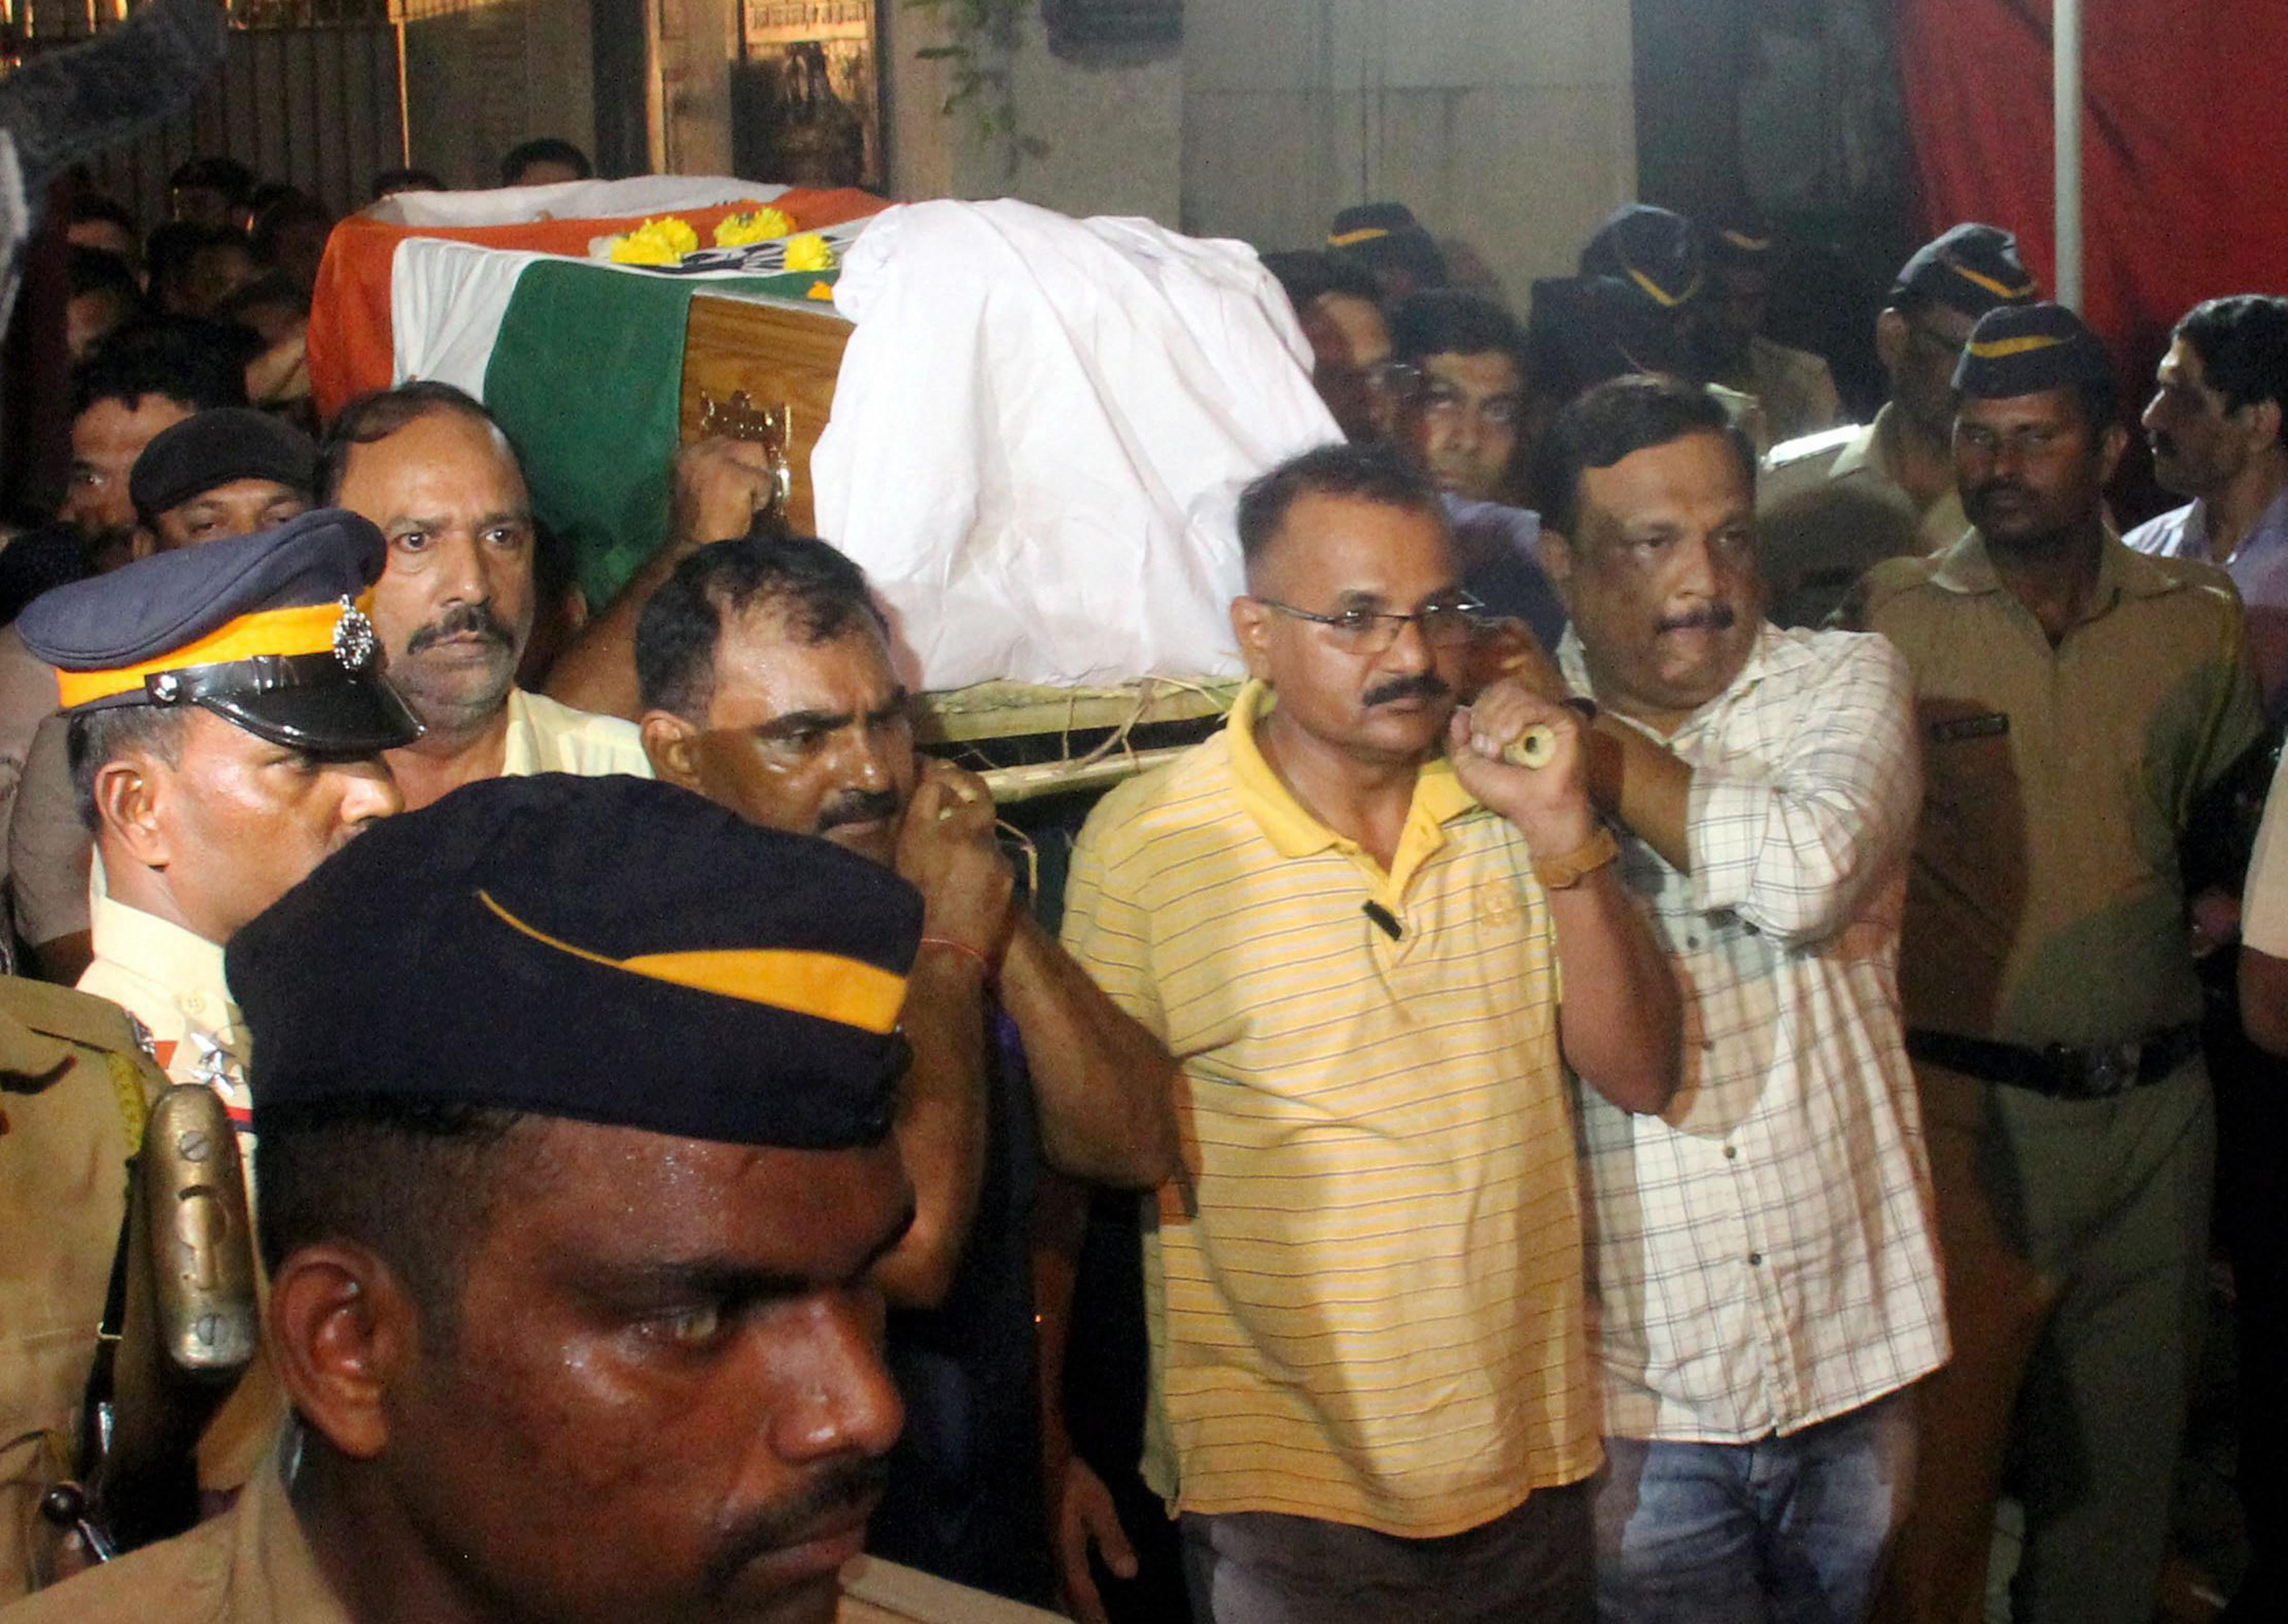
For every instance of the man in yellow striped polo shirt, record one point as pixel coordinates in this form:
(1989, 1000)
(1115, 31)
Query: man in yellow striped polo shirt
(1371, 1386)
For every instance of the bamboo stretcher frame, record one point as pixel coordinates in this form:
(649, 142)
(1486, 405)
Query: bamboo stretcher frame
(1018, 709)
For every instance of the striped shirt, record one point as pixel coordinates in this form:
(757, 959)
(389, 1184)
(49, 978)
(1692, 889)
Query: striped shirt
(1763, 1255)
(1365, 1292)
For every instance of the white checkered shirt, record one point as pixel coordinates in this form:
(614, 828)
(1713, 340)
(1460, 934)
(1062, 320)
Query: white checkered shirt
(1763, 1255)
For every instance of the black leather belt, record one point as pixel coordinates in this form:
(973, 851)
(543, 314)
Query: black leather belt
(2056, 1071)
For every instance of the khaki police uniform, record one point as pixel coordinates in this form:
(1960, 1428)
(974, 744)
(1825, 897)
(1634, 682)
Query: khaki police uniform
(1829, 509)
(2045, 908)
(253, 1565)
(74, 1085)
(1794, 388)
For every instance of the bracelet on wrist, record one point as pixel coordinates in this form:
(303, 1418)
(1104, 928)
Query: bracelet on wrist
(983, 964)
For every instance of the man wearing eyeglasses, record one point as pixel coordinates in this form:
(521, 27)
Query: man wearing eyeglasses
(1374, 946)
(1833, 506)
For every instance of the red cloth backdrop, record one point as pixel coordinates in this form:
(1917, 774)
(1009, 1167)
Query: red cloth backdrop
(2184, 147)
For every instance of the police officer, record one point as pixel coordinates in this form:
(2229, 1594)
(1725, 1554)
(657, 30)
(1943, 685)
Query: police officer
(227, 721)
(2075, 699)
(1831, 506)
(573, 1099)
(74, 1082)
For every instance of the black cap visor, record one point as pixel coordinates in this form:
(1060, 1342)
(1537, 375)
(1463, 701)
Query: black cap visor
(351, 715)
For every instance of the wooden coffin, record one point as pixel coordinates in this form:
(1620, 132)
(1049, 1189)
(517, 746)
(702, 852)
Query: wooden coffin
(763, 368)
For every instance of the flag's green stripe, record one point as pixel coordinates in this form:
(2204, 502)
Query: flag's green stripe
(587, 378)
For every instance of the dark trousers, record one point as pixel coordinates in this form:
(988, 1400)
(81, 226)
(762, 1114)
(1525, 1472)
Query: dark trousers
(1259, 1567)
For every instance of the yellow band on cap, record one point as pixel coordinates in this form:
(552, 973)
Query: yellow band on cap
(827, 986)
(1998, 349)
(1741, 239)
(304, 628)
(1365, 234)
(1999, 290)
(1659, 294)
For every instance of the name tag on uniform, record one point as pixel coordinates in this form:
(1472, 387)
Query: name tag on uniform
(1993, 725)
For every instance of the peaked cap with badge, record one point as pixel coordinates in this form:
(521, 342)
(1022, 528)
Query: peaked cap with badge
(609, 949)
(2027, 349)
(1969, 267)
(265, 631)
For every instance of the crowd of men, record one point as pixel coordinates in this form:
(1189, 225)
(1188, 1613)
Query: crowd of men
(1665, 1049)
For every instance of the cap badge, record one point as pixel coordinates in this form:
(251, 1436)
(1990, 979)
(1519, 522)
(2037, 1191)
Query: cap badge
(354, 644)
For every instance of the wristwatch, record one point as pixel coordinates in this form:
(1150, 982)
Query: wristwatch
(1570, 869)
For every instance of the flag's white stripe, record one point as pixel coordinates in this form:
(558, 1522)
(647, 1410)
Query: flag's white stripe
(570, 200)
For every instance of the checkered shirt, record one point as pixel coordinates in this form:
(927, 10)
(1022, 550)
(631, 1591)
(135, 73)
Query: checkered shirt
(1763, 1255)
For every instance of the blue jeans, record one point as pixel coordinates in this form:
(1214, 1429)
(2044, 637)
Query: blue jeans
(1784, 1531)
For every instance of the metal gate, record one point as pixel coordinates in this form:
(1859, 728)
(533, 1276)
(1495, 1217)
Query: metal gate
(311, 94)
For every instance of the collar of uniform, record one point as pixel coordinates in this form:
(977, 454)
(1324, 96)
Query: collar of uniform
(1968, 568)
(1439, 796)
(1771, 654)
(272, 1563)
(185, 965)
(27, 1053)
(1864, 448)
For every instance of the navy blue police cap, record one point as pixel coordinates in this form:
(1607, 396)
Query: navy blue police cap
(1655, 251)
(214, 448)
(265, 631)
(607, 949)
(2028, 349)
(1969, 267)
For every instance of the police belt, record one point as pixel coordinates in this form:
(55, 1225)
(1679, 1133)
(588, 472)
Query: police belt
(2054, 1069)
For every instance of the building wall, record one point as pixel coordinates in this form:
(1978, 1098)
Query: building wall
(480, 79)
(1507, 124)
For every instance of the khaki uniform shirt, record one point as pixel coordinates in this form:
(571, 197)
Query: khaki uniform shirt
(2045, 904)
(73, 1087)
(1794, 388)
(253, 1565)
(1829, 509)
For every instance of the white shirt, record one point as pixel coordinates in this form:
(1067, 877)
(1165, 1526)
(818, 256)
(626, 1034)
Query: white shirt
(544, 737)
(1762, 1255)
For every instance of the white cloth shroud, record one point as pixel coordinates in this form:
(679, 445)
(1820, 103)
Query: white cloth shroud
(1040, 431)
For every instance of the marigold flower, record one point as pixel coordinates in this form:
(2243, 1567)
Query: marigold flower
(809, 253)
(755, 225)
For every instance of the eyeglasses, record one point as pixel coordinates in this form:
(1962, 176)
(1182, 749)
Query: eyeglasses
(1446, 624)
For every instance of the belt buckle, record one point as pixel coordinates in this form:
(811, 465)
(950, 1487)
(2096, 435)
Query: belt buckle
(2112, 1070)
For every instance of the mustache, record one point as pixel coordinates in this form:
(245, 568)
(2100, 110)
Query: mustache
(462, 620)
(1994, 488)
(842, 1487)
(1708, 616)
(2163, 442)
(857, 807)
(1421, 685)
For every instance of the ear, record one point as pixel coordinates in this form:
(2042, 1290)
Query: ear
(141, 545)
(672, 745)
(2263, 423)
(1556, 552)
(2116, 441)
(1890, 340)
(131, 794)
(1251, 628)
(343, 1331)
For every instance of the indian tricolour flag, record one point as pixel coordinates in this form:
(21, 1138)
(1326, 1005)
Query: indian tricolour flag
(580, 360)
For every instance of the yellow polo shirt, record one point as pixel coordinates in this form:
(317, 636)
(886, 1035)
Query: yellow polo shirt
(1365, 1294)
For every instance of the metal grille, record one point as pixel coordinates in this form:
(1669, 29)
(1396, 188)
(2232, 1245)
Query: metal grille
(310, 93)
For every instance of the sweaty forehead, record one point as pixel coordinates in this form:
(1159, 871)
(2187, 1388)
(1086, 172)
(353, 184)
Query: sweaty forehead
(443, 460)
(1480, 375)
(1332, 547)
(765, 668)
